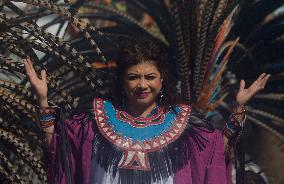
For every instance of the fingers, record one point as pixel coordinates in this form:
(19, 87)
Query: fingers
(31, 73)
(43, 75)
(261, 76)
(259, 79)
(26, 65)
(242, 85)
(260, 83)
(264, 81)
(29, 67)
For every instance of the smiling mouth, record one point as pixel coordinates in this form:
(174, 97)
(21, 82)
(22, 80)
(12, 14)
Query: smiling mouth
(143, 95)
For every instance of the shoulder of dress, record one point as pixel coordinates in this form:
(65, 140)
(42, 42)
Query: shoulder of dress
(79, 125)
(198, 120)
(202, 128)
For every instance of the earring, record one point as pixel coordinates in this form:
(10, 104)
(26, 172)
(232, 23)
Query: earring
(161, 96)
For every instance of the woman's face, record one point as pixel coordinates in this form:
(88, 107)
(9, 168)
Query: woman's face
(142, 83)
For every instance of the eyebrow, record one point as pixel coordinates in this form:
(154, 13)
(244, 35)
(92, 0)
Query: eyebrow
(131, 73)
(151, 74)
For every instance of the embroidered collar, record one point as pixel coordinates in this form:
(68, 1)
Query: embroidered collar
(138, 140)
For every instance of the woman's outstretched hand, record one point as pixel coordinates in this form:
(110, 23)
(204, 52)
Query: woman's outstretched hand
(39, 83)
(245, 94)
(242, 98)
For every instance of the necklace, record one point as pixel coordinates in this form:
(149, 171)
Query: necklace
(141, 122)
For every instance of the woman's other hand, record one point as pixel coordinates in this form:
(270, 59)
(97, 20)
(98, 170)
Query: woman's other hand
(39, 83)
(245, 94)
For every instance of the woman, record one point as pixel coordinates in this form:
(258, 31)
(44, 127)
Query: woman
(141, 135)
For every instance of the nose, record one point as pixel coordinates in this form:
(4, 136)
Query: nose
(142, 84)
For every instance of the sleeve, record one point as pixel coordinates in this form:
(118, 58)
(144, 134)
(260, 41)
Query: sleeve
(218, 171)
(207, 162)
(67, 159)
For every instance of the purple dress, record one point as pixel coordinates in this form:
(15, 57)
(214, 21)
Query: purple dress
(205, 165)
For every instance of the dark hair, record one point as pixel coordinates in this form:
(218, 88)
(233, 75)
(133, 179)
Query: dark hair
(140, 49)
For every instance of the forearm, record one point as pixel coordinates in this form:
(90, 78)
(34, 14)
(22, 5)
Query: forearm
(42, 102)
(233, 129)
(239, 114)
(48, 131)
(47, 119)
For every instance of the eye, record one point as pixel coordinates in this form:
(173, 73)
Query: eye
(132, 77)
(150, 77)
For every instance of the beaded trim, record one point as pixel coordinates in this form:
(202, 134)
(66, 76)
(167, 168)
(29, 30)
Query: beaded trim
(47, 116)
(47, 110)
(135, 153)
